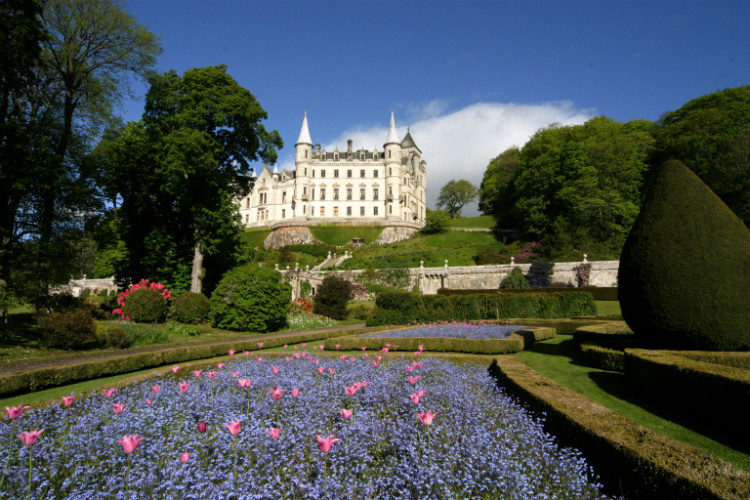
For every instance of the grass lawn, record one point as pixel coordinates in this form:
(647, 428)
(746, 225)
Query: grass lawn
(608, 308)
(483, 221)
(560, 360)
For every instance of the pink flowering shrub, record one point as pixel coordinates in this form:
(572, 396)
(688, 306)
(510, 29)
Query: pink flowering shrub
(529, 252)
(144, 302)
(300, 306)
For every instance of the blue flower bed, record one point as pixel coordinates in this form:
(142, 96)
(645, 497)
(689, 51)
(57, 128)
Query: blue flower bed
(465, 330)
(459, 438)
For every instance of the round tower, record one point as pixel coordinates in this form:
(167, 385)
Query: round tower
(392, 155)
(303, 152)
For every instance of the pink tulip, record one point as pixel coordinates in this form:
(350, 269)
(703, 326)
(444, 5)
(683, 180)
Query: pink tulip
(197, 373)
(235, 374)
(417, 353)
(155, 388)
(413, 380)
(183, 386)
(231, 352)
(288, 360)
(286, 345)
(337, 346)
(274, 432)
(414, 398)
(304, 345)
(364, 384)
(29, 438)
(184, 457)
(325, 443)
(421, 393)
(346, 413)
(212, 375)
(296, 347)
(388, 345)
(118, 407)
(234, 427)
(409, 369)
(321, 347)
(16, 411)
(295, 393)
(376, 363)
(321, 369)
(420, 348)
(378, 357)
(175, 368)
(244, 382)
(130, 443)
(332, 370)
(275, 369)
(315, 348)
(260, 345)
(68, 400)
(202, 427)
(149, 401)
(384, 350)
(258, 359)
(219, 365)
(343, 357)
(276, 393)
(108, 392)
(426, 418)
(246, 353)
(365, 355)
(364, 348)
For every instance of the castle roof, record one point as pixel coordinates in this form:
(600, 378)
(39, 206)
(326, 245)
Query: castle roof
(408, 142)
(304, 134)
(392, 134)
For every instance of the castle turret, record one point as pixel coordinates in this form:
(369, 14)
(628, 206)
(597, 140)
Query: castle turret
(392, 157)
(303, 155)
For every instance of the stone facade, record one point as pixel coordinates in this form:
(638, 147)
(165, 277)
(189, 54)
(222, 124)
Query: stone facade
(362, 186)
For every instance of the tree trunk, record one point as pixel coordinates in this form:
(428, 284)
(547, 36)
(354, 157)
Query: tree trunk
(196, 283)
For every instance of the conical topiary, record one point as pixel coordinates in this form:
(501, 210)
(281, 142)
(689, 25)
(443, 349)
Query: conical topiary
(684, 277)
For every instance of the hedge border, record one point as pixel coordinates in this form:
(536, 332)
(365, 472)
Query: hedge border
(643, 463)
(603, 293)
(515, 342)
(17, 383)
(708, 393)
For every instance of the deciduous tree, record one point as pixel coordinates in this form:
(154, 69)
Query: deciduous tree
(456, 194)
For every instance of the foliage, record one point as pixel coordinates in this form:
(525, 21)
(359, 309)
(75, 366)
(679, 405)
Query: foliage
(360, 310)
(332, 296)
(334, 236)
(179, 171)
(190, 308)
(480, 221)
(144, 301)
(496, 193)
(118, 338)
(676, 284)
(436, 221)
(711, 135)
(488, 255)
(296, 321)
(455, 195)
(250, 298)
(144, 334)
(299, 306)
(184, 329)
(305, 289)
(68, 330)
(515, 279)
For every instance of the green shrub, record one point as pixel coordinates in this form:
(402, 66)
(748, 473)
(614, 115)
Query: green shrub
(145, 305)
(73, 330)
(489, 255)
(515, 279)
(250, 298)
(63, 302)
(190, 308)
(360, 310)
(332, 297)
(184, 329)
(140, 334)
(437, 221)
(685, 267)
(117, 338)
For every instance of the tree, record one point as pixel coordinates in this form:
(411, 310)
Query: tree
(180, 169)
(436, 221)
(711, 135)
(496, 193)
(456, 194)
(332, 297)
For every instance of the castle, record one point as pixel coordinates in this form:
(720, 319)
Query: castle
(349, 187)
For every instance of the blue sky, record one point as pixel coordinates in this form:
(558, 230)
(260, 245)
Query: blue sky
(470, 78)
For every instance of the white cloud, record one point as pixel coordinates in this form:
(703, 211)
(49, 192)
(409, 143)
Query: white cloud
(459, 144)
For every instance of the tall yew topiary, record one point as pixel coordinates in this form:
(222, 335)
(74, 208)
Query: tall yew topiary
(684, 277)
(250, 298)
(332, 297)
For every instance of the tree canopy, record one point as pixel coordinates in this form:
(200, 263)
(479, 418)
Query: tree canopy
(179, 171)
(456, 194)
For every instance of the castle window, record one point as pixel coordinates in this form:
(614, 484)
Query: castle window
(304, 190)
(362, 156)
(374, 210)
(304, 209)
(348, 173)
(322, 211)
(322, 156)
(362, 193)
(313, 173)
(375, 193)
(336, 173)
(312, 210)
(390, 209)
(335, 211)
(283, 213)
(389, 154)
(322, 173)
(335, 156)
(362, 211)
(305, 157)
(322, 194)
(390, 172)
(405, 181)
(390, 190)
(361, 173)
(247, 202)
(312, 194)
(335, 193)
(348, 193)
(349, 211)
(283, 197)
(247, 218)
(375, 174)
(305, 172)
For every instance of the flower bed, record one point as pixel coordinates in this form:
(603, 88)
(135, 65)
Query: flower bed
(462, 330)
(294, 427)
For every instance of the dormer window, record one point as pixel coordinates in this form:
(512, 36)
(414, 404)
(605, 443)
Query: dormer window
(362, 156)
(335, 156)
(322, 156)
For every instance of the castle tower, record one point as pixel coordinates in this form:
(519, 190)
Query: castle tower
(392, 157)
(303, 152)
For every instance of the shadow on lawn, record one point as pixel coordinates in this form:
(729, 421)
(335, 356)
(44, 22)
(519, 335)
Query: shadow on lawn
(20, 331)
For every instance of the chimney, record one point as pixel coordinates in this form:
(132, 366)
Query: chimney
(317, 148)
(349, 146)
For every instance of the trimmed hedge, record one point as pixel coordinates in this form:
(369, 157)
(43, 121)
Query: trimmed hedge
(399, 308)
(632, 461)
(709, 393)
(15, 383)
(598, 292)
(605, 355)
(515, 342)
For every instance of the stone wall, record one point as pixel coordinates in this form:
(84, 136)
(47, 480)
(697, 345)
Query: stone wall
(431, 279)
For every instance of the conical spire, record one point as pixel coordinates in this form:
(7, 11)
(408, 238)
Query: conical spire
(392, 134)
(304, 134)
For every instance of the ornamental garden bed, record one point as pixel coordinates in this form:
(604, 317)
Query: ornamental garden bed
(299, 426)
(478, 337)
